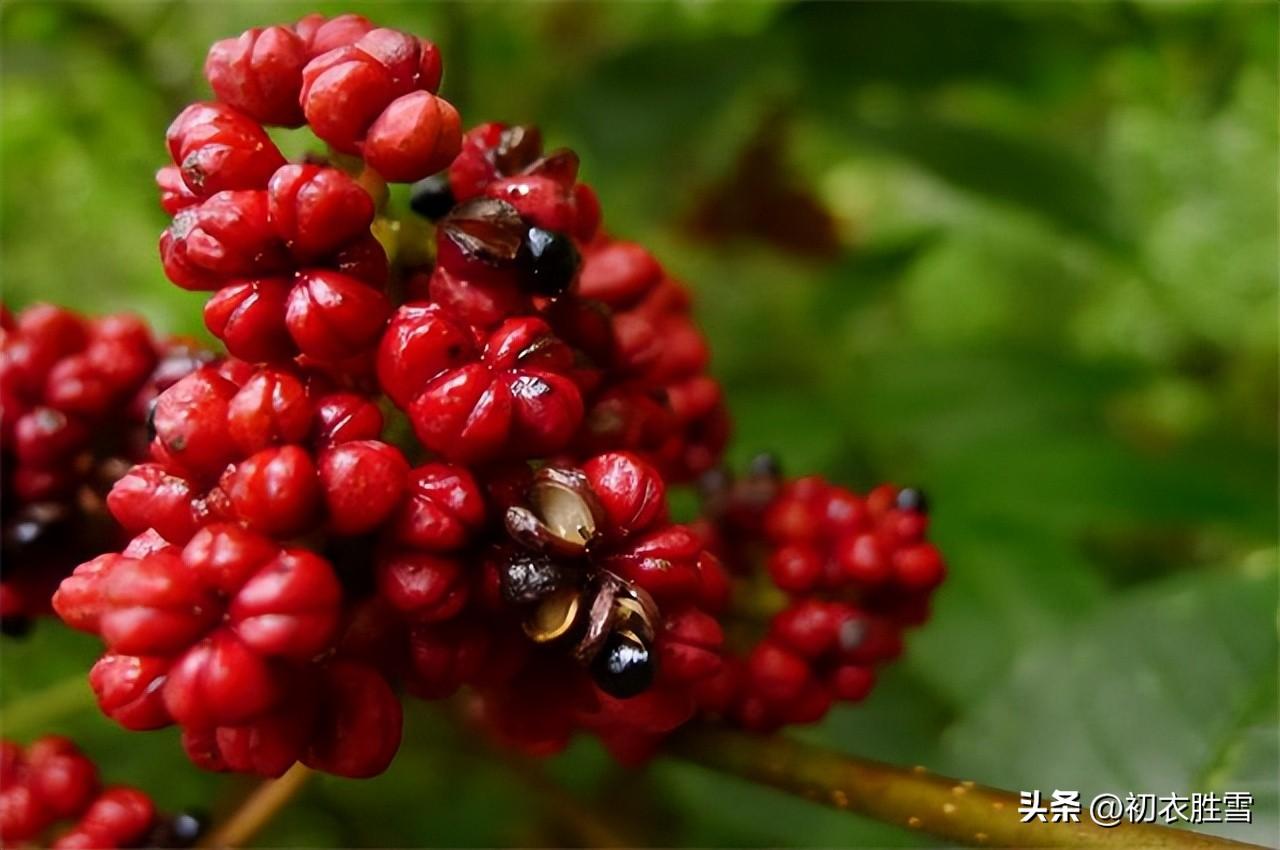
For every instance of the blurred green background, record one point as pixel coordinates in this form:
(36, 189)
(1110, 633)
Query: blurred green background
(1023, 255)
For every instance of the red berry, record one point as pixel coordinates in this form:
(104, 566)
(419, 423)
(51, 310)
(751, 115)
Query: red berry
(316, 210)
(217, 148)
(420, 343)
(619, 274)
(343, 91)
(443, 510)
(120, 817)
(289, 608)
(220, 682)
(332, 316)
(362, 482)
(267, 745)
(415, 136)
(427, 587)
(260, 73)
(342, 417)
(630, 490)
(776, 675)
(191, 422)
(321, 35)
(149, 497)
(151, 607)
(275, 491)
(919, 567)
(228, 235)
(852, 683)
(863, 559)
(358, 730)
(130, 690)
(795, 568)
(60, 777)
(270, 409)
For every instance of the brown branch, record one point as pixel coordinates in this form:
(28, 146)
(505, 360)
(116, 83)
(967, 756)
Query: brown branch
(258, 809)
(957, 811)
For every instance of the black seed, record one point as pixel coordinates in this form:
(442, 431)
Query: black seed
(36, 527)
(151, 419)
(549, 261)
(180, 830)
(528, 578)
(911, 499)
(625, 667)
(765, 465)
(15, 627)
(431, 198)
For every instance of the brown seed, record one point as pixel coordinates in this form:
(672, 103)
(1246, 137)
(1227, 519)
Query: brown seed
(563, 500)
(555, 616)
(485, 229)
(560, 165)
(518, 146)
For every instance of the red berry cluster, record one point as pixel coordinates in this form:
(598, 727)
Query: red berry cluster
(856, 572)
(74, 394)
(616, 611)
(291, 564)
(286, 247)
(51, 781)
(209, 619)
(589, 338)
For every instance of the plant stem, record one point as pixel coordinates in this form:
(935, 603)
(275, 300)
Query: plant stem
(957, 811)
(258, 808)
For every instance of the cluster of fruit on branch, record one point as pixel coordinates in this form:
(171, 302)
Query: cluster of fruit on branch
(52, 782)
(415, 472)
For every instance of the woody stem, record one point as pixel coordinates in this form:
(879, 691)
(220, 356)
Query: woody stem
(960, 812)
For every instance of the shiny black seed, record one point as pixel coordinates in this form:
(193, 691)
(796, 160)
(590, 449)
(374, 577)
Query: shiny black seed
(625, 667)
(15, 627)
(432, 198)
(527, 578)
(549, 261)
(180, 830)
(911, 499)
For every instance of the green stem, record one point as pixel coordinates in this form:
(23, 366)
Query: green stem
(960, 812)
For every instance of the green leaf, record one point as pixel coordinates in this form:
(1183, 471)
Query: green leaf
(1032, 173)
(1171, 689)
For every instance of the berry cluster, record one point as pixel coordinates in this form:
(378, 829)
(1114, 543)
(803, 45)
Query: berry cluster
(856, 572)
(615, 611)
(294, 563)
(210, 620)
(74, 395)
(286, 248)
(51, 781)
